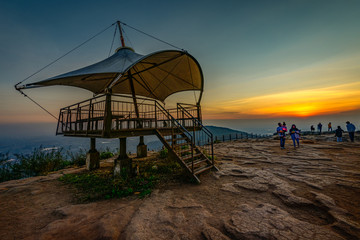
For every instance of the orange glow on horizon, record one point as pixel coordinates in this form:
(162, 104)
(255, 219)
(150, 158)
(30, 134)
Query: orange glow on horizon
(302, 103)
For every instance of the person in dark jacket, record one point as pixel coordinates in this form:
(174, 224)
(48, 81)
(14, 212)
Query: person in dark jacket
(319, 126)
(351, 130)
(338, 134)
(295, 135)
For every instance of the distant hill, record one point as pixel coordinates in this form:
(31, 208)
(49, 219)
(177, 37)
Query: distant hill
(219, 131)
(44, 137)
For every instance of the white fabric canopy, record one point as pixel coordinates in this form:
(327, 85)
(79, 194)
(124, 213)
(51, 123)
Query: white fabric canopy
(156, 75)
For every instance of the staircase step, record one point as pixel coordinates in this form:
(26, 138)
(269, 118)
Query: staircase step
(197, 162)
(185, 152)
(183, 144)
(203, 169)
(190, 157)
(176, 139)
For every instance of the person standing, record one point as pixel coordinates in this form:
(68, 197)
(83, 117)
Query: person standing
(338, 134)
(284, 126)
(319, 127)
(295, 135)
(281, 132)
(351, 130)
(329, 127)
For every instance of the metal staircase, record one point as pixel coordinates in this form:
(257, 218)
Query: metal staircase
(181, 143)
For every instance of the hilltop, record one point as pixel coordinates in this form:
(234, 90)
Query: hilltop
(260, 192)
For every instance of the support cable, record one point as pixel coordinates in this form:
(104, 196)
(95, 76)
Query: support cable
(112, 43)
(152, 36)
(64, 55)
(38, 104)
(128, 39)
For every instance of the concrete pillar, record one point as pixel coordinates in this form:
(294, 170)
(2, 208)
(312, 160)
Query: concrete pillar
(141, 148)
(93, 156)
(123, 162)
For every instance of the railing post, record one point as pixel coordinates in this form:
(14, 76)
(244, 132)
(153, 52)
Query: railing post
(177, 111)
(89, 115)
(107, 116)
(198, 112)
(212, 150)
(57, 127)
(183, 118)
(192, 155)
(155, 114)
(77, 118)
(67, 119)
(62, 125)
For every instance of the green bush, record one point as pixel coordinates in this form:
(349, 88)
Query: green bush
(163, 153)
(41, 161)
(185, 147)
(5, 170)
(38, 162)
(77, 158)
(103, 185)
(106, 154)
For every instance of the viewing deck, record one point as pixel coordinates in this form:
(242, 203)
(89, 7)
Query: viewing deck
(115, 116)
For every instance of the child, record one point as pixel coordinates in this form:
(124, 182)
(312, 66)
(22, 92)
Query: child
(338, 134)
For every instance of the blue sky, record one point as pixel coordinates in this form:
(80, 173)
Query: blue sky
(254, 54)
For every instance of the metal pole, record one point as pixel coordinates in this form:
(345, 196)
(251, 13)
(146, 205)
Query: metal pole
(134, 98)
(107, 116)
(121, 34)
(212, 150)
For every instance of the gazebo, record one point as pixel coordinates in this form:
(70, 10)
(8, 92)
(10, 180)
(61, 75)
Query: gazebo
(130, 90)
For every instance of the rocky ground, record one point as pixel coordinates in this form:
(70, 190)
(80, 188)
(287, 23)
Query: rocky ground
(260, 192)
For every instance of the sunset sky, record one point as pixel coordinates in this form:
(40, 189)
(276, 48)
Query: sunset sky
(261, 59)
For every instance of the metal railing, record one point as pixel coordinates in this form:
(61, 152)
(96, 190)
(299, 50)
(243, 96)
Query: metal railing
(90, 116)
(238, 136)
(203, 137)
(86, 116)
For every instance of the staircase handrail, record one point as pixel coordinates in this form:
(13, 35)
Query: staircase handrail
(206, 131)
(199, 123)
(169, 116)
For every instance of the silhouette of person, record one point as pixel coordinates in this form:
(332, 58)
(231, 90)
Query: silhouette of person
(281, 132)
(319, 127)
(295, 135)
(338, 134)
(351, 130)
(329, 127)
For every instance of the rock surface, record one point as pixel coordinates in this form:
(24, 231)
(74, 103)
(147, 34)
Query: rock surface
(260, 192)
(267, 221)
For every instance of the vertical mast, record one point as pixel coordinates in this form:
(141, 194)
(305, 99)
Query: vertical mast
(121, 34)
